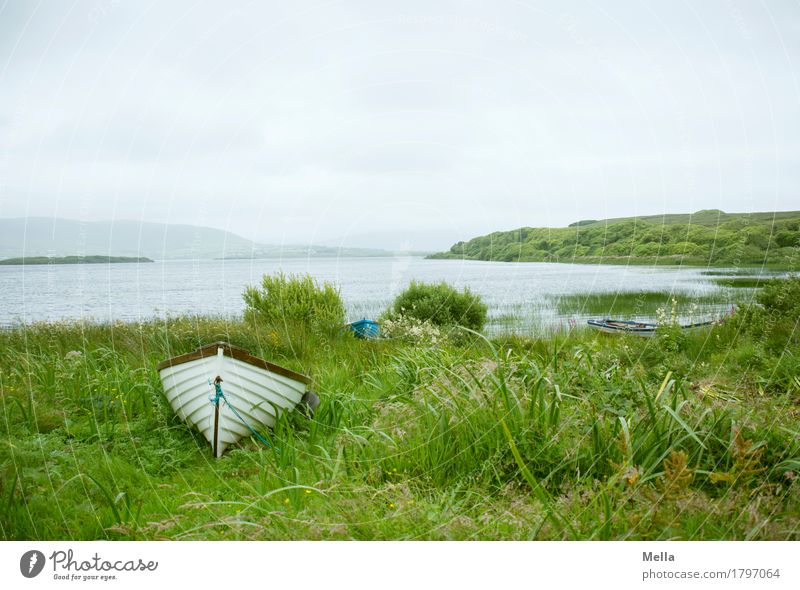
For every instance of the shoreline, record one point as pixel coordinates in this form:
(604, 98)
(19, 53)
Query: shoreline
(661, 263)
(67, 260)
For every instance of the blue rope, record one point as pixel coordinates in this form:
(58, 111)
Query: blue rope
(220, 395)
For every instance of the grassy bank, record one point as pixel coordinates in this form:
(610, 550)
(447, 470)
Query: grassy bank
(580, 436)
(704, 238)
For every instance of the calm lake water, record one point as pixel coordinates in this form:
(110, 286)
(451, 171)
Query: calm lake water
(520, 296)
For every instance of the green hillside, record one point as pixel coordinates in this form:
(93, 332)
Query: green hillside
(707, 237)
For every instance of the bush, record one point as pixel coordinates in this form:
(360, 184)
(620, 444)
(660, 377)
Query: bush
(441, 305)
(782, 297)
(294, 299)
(772, 324)
(776, 321)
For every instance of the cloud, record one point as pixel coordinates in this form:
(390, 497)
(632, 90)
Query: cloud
(274, 119)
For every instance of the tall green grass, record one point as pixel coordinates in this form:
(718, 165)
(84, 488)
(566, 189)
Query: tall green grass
(577, 436)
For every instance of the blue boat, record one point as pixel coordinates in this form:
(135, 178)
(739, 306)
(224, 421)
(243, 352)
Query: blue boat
(365, 328)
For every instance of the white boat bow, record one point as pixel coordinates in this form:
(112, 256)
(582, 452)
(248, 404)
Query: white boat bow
(255, 389)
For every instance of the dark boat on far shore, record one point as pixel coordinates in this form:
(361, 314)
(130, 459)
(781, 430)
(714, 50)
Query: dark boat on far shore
(631, 327)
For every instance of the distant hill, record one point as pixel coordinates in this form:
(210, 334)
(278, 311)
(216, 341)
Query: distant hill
(708, 217)
(42, 236)
(707, 237)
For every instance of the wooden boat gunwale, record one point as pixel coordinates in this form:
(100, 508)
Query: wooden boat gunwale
(235, 352)
(240, 377)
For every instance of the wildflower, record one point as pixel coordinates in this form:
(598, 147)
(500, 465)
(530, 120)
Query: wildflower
(391, 505)
(631, 475)
(73, 354)
(286, 501)
(308, 491)
(410, 328)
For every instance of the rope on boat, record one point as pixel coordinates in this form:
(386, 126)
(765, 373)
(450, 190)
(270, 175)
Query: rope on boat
(219, 394)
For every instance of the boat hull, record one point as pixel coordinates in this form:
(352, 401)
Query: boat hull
(260, 394)
(637, 328)
(365, 328)
(623, 327)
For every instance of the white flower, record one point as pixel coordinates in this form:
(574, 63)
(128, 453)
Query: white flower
(410, 328)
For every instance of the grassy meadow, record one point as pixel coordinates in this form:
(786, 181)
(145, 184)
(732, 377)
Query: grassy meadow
(575, 436)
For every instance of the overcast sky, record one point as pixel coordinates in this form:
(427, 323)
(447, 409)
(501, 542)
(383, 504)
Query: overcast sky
(309, 121)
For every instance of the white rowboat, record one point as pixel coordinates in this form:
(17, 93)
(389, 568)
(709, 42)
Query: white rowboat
(255, 389)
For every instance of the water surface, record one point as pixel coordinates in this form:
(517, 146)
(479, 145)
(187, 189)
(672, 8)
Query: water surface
(521, 296)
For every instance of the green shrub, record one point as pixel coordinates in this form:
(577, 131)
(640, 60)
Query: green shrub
(776, 320)
(782, 297)
(294, 299)
(441, 305)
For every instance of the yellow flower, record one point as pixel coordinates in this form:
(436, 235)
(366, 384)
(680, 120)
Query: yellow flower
(391, 505)
(286, 501)
(308, 491)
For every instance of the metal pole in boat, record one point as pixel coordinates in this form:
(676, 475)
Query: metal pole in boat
(217, 381)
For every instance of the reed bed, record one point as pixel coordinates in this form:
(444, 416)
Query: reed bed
(646, 303)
